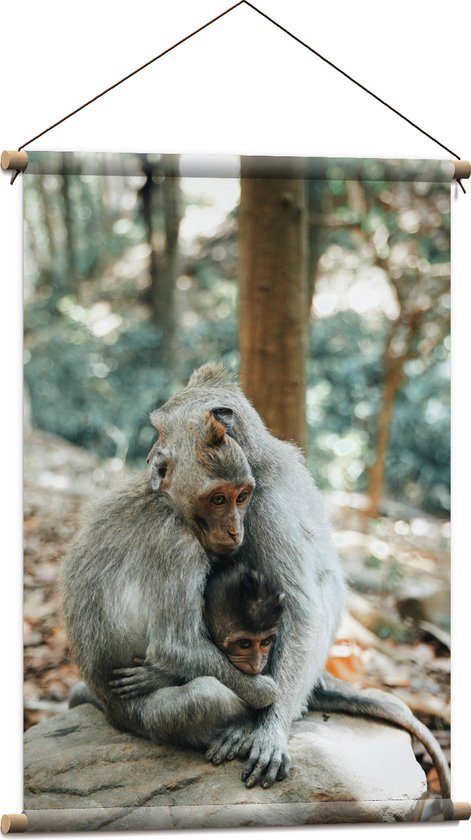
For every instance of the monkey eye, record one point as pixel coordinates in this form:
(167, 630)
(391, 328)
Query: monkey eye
(242, 497)
(162, 472)
(218, 500)
(266, 642)
(245, 644)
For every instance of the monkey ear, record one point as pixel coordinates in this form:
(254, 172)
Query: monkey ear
(152, 452)
(215, 430)
(157, 418)
(226, 417)
(160, 468)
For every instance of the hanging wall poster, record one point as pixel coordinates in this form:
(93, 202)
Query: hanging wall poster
(237, 494)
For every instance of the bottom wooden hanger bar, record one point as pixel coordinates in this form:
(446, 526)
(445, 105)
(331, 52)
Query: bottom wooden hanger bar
(236, 816)
(14, 823)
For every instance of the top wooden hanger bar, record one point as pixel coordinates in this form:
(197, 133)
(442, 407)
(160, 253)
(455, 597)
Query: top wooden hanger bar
(460, 172)
(228, 166)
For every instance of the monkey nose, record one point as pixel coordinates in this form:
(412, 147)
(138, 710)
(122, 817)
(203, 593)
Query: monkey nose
(234, 535)
(256, 664)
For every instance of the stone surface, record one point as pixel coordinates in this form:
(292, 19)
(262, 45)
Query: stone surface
(81, 773)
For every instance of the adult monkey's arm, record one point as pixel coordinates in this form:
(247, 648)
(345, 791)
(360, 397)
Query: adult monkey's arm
(304, 565)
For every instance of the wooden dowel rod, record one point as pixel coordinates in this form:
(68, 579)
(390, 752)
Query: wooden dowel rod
(14, 823)
(462, 169)
(16, 161)
(17, 823)
(461, 810)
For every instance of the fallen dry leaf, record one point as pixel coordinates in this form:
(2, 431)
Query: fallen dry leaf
(345, 662)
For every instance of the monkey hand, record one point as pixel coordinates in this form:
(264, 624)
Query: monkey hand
(264, 744)
(232, 741)
(135, 681)
(258, 691)
(268, 757)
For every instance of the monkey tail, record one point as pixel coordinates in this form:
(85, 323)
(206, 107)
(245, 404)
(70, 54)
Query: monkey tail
(345, 700)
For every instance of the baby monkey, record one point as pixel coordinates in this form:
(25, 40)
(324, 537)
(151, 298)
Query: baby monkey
(242, 611)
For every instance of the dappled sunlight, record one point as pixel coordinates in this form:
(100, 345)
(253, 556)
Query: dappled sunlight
(208, 202)
(131, 264)
(339, 290)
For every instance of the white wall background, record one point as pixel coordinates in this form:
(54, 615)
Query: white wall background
(241, 86)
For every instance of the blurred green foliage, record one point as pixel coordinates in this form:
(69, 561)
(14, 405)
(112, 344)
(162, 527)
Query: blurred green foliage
(93, 351)
(345, 382)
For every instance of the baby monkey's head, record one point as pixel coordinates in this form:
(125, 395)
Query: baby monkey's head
(242, 612)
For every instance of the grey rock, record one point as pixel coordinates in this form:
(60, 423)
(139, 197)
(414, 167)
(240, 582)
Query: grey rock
(81, 773)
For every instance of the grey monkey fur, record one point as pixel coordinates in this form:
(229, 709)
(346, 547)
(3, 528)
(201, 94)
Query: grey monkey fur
(238, 599)
(133, 583)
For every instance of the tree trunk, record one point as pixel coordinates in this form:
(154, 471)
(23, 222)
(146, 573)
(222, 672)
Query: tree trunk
(164, 288)
(69, 225)
(147, 198)
(404, 330)
(316, 191)
(273, 293)
(393, 378)
(46, 258)
(163, 267)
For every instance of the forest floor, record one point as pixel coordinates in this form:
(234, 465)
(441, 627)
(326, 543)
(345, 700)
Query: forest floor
(395, 635)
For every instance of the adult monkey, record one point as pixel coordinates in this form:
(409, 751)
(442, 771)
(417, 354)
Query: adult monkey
(133, 582)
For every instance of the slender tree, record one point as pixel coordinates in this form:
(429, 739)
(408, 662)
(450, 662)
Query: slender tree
(164, 289)
(419, 281)
(70, 232)
(407, 339)
(273, 293)
(162, 196)
(316, 233)
(147, 194)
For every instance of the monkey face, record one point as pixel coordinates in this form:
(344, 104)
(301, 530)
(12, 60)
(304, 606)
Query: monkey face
(219, 516)
(204, 472)
(249, 652)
